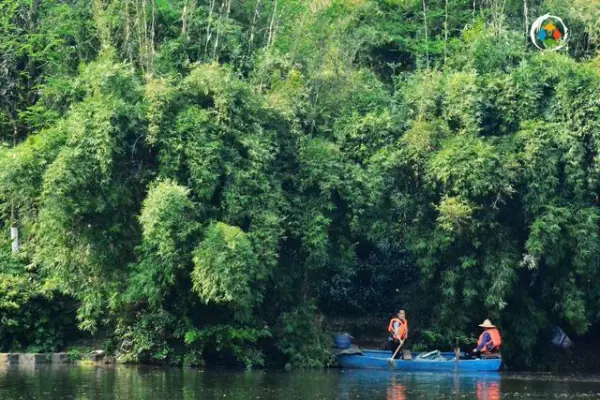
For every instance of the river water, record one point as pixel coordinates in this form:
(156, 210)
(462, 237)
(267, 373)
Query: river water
(122, 382)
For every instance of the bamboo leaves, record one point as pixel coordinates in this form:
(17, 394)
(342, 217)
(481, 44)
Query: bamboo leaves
(226, 270)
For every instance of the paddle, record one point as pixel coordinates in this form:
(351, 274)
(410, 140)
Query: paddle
(391, 360)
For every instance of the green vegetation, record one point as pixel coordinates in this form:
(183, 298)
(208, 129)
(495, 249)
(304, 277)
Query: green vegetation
(210, 181)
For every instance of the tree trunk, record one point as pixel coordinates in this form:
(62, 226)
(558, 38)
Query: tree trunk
(152, 33)
(445, 31)
(127, 29)
(145, 34)
(184, 22)
(188, 14)
(14, 230)
(426, 34)
(253, 27)
(140, 36)
(216, 46)
(272, 25)
(208, 26)
(526, 12)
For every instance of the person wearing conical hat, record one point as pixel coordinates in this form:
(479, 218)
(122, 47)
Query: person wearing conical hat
(489, 340)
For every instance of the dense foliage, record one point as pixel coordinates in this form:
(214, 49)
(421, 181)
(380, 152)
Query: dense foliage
(213, 180)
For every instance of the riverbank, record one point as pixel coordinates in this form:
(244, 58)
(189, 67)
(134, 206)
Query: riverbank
(97, 356)
(584, 359)
(367, 331)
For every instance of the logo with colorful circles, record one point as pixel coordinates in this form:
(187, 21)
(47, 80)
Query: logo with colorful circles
(549, 32)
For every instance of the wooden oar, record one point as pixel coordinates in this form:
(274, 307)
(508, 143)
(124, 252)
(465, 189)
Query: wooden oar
(391, 360)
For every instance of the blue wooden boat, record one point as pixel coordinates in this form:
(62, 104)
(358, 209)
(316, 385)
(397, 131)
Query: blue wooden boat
(378, 359)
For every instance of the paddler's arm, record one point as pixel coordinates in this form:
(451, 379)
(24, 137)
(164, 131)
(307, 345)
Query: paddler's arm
(396, 327)
(484, 342)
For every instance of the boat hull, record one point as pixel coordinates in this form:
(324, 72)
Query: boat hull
(378, 359)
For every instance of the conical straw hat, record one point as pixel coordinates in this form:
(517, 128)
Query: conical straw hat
(487, 324)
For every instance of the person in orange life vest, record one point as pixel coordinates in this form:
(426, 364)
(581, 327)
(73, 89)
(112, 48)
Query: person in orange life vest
(398, 329)
(490, 340)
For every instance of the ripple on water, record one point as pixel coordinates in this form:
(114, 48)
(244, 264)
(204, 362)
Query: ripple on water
(122, 382)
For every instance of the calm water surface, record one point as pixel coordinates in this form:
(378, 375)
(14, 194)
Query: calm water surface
(120, 382)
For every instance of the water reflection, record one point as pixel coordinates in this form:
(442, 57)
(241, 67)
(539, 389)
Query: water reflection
(396, 390)
(394, 385)
(110, 382)
(488, 391)
(119, 382)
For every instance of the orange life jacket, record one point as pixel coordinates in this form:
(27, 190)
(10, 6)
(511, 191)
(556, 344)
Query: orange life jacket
(496, 340)
(402, 329)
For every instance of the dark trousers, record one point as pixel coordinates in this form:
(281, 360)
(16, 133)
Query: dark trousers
(393, 345)
(489, 351)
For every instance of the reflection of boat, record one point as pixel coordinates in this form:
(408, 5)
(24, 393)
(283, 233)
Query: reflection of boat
(363, 377)
(398, 385)
(377, 359)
